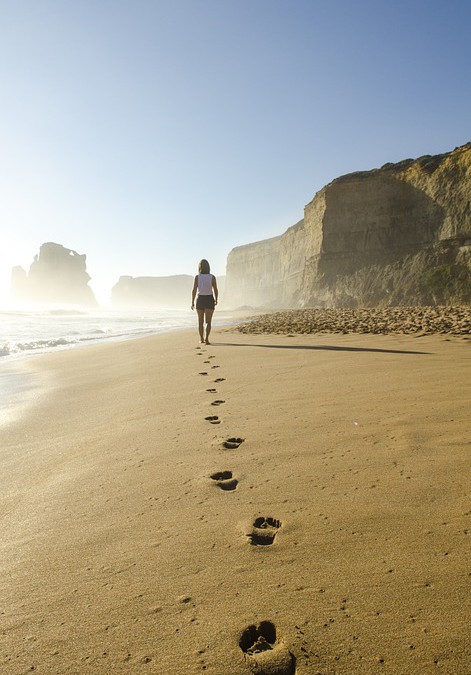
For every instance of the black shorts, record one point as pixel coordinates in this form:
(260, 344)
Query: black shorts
(205, 302)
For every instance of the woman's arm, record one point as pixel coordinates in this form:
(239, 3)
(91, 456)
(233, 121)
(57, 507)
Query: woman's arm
(193, 292)
(215, 289)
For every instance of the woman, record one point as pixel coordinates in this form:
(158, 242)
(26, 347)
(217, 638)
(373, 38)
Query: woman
(205, 284)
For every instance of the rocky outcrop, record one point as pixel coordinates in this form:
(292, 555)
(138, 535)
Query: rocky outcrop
(57, 275)
(173, 292)
(421, 321)
(396, 235)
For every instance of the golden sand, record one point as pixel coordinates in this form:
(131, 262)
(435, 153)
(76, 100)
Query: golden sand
(318, 522)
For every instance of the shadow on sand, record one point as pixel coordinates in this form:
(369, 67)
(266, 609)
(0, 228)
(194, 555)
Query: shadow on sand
(332, 348)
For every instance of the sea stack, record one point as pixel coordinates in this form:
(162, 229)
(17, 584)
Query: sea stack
(57, 275)
(172, 292)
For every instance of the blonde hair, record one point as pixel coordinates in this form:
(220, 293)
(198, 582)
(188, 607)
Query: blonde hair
(203, 267)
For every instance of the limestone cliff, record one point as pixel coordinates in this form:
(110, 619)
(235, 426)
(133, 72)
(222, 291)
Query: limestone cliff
(396, 235)
(253, 274)
(57, 275)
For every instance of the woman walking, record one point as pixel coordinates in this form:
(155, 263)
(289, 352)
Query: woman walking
(206, 286)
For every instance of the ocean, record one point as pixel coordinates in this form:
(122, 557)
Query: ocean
(25, 333)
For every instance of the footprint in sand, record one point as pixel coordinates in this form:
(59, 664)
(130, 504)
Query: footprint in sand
(233, 443)
(224, 480)
(212, 390)
(206, 361)
(211, 357)
(214, 366)
(220, 379)
(203, 373)
(265, 652)
(264, 531)
(218, 402)
(214, 419)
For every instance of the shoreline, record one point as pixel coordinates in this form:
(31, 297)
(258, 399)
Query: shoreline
(121, 553)
(19, 381)
(43, 332)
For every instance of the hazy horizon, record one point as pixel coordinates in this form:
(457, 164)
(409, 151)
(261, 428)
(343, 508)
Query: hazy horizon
(148, 135)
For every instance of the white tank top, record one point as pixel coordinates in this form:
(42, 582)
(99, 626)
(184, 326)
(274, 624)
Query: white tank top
(205, 284)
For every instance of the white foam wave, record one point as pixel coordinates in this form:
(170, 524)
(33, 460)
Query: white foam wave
(26, 333)
(18, 347)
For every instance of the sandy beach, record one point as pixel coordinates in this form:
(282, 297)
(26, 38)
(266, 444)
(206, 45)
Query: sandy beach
(317, 524)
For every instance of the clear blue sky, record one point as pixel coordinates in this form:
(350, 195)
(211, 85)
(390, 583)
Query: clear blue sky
(150, 133)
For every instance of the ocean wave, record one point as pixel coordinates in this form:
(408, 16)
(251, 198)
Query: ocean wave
(18, 347)
(37, 312)
(65, 312)
(27, 333)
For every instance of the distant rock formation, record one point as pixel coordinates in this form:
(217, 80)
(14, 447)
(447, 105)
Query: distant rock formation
(57, 275)
(396, 235)
(173, 292)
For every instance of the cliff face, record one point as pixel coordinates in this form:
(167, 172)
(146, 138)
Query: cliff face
(57, 275)
(253, 274)
(396, 235)
(172, 292)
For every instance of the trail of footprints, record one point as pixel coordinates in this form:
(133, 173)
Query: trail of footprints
(264, 650)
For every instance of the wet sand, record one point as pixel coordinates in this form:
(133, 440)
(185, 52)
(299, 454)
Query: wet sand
(20, 388)
(318, 523)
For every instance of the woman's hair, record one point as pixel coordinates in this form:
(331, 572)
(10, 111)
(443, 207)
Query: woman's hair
(203, 267)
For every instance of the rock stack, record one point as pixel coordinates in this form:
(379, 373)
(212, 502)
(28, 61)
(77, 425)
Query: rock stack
(57, 275)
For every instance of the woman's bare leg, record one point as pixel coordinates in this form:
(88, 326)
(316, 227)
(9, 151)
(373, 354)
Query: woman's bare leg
(208, 315)
(200, 313)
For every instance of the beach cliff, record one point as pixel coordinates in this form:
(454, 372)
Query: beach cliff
(400, 234)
